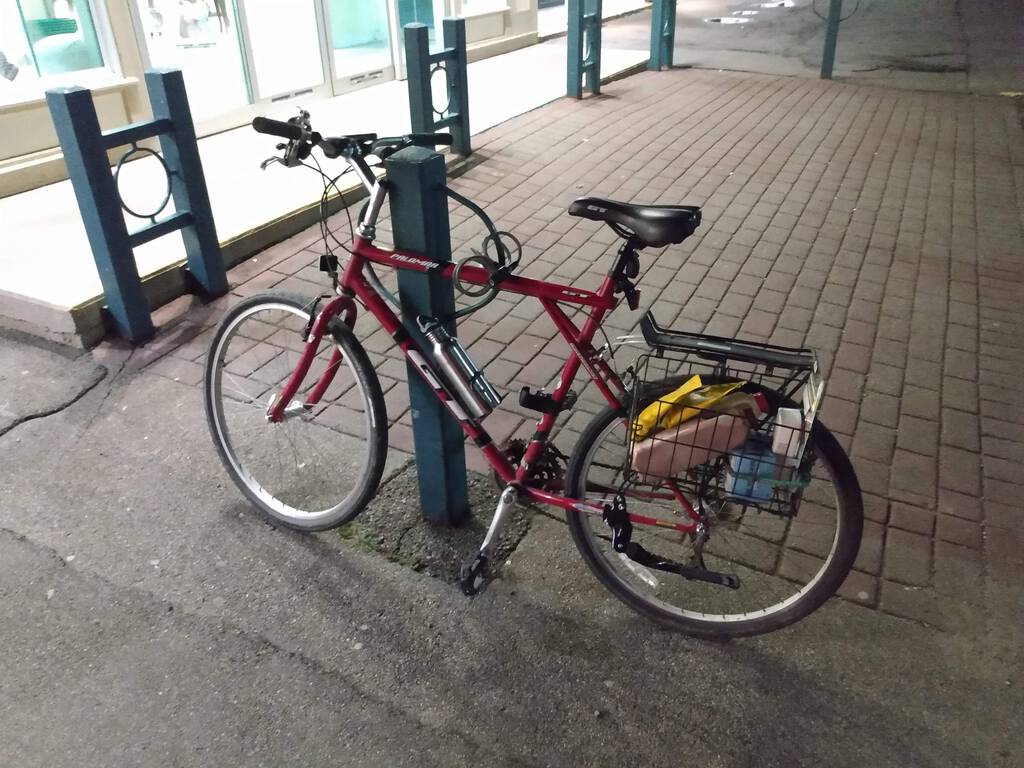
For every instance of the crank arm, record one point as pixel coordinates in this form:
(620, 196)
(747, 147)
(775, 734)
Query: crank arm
(476, 571)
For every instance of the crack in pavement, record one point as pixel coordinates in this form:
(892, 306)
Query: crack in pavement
(57, 408)
(106, 395)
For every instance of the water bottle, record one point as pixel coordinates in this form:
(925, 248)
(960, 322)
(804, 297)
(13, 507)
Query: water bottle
(467, 381)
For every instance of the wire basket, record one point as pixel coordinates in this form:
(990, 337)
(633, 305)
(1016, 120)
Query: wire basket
(721, 430)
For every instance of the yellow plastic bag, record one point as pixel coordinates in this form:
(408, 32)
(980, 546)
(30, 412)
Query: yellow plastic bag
(680, 405)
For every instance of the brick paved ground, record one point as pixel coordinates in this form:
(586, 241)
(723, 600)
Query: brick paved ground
(883, 228)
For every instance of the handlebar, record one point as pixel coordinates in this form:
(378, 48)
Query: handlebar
(299, 131)
(278, 128)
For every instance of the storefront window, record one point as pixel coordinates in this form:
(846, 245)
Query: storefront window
(360, 35)
(46, 37)
(201, 38)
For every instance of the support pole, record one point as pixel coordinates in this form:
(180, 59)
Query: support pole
(458, 84)
(583, 48)
(180, 149)
(592, 19)
(417, 66)
(828, 56)
(419, 216)
(663, 34)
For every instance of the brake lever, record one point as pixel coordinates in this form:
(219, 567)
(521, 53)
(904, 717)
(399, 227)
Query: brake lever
(270, 161)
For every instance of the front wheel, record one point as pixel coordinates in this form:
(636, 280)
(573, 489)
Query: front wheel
(317, 468)
(787, 566)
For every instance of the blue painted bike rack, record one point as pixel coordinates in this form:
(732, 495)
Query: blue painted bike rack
(584, 47)
(100, 203)
(663, 34)
(420, 66)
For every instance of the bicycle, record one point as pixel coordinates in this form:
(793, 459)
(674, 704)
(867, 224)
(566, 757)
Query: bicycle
(714, 547)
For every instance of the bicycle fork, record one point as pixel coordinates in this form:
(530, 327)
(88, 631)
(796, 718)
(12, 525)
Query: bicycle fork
(475, 571)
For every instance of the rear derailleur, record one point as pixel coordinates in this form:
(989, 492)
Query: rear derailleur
(617, 518)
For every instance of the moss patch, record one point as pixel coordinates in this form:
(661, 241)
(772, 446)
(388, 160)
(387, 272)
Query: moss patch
(392, 525)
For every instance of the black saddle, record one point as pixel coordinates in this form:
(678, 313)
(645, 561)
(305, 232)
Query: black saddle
(653, 225)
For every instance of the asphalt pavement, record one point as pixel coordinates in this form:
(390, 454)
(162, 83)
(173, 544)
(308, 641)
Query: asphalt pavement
(150, 618)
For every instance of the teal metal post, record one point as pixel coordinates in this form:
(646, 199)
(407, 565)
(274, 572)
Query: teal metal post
(420, 64)
(419, 217)
(181, 154)
(458, 83)
(417, 66)
(828, 56)
(583, 43)
(663, 34)
(78, 130)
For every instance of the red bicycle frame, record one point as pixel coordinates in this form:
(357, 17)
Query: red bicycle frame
(353, 283)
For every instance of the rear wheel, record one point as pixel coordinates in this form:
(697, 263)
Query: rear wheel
(787, 566)
(318, 467)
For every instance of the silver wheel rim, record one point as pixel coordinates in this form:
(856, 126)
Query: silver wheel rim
(601, 550)
(270, 502)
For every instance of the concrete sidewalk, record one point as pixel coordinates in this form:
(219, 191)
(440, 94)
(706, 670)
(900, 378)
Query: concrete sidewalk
(146, 609)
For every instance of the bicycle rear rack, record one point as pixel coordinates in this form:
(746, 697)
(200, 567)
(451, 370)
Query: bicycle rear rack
(721, 349)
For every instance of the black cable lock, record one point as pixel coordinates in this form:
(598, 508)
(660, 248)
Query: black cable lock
(498, 266)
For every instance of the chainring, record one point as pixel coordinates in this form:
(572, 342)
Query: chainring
(546, 473)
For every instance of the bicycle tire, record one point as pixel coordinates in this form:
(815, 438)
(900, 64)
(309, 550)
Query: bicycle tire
(367, 389)
(844, 553)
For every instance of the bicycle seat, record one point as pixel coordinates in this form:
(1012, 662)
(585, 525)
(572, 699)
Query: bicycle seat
(653, 225)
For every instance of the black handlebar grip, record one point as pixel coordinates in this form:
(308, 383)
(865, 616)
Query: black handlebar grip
(288, 131)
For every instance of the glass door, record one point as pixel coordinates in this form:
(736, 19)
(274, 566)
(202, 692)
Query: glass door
(199, 37)
(239, 55)
(282, 40)
(359, 42)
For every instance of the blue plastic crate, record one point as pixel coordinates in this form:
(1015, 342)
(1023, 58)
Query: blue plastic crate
(753, 473)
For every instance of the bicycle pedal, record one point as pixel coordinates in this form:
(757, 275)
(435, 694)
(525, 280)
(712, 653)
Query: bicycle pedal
(474, 574)
(543, 402)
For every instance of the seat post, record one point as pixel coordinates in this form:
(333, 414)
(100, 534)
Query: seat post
(627, 261)
(626, 269)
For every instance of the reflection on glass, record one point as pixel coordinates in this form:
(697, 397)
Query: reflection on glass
(16, 62)
(200, 38)
(285, 44)
(359, 35)
(421, 11)
(46, 38)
